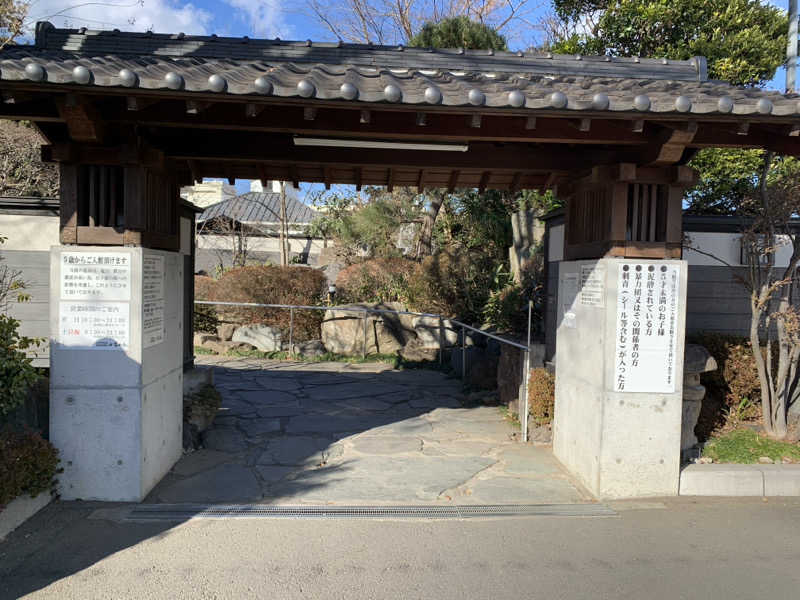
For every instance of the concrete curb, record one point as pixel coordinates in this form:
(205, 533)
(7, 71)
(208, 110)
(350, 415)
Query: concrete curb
(740, 480)
(20, 510)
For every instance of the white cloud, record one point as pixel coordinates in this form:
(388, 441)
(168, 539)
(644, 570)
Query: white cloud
(161, 16)
(264, 18)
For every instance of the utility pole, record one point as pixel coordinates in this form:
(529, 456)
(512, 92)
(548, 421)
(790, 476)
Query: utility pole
(791, 48)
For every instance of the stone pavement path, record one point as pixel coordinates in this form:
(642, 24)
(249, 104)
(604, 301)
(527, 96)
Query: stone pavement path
(318, 433)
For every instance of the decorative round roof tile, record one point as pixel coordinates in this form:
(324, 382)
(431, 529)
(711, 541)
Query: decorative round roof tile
(81, 75)
(217, 83)
(516, 98)
(600, 101)
(392, 93)
(433, 95)
(173, 81)
(476, 97)
(348, 91)
(641, 102)
(34, 71)
(127, 77)
(558, 100)
(725, 104)
(683, 104)
(764, 106)
(263, 85)
(305, 88)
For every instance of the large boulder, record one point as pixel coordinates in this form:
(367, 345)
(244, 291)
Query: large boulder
(343, 331)
(263, 337)
(429, 333)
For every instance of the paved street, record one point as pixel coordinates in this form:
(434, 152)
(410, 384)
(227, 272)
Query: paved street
(338, 433)
(726, 549)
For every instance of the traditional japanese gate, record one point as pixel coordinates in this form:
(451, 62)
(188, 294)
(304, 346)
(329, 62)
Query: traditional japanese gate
(131, 117)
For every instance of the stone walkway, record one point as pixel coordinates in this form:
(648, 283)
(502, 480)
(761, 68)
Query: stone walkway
(318, 433)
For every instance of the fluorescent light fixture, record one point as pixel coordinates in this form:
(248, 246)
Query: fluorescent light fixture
(373, 145)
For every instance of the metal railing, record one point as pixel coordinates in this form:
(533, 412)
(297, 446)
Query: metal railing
(523, 400)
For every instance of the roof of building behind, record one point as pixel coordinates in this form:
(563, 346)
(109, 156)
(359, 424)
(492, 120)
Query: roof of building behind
(381, 74)
(259, 207)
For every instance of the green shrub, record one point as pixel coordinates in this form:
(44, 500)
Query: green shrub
(28, 464)
(271, 284)
(541, 396)
(453, 283)
(17, 374)
(375, 280)
(733, 392)
(205, 316)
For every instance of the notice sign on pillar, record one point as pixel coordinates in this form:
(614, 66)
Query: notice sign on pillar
(153, 284)
(646, 335)
(94, 310)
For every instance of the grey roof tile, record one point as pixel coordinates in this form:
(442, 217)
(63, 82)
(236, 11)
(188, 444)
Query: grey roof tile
(371, 70)
(259, 207)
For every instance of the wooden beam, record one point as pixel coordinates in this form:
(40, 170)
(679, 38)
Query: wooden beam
(475, 121)
(293, 175)
(530, 123)
(10, 97)
(421, 181)
(584, 124)
(309, 113)
(670, 144)
(515, 182)
(83, 121)
(422, 119)
(793, 130)
(136, 103)
(326, 177)
(637, 126)
(359, 177)
(451, 185)
(484, 181)
(365, 117)
(390, 180)
(743, 129)
(195, 107)
(251, 111)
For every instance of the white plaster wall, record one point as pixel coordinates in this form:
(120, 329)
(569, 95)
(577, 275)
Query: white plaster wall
(618, 444)
(555, 244)
(261, 244)
(29, 232)
(726, 246)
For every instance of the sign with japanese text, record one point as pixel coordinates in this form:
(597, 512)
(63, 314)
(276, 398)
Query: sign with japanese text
(94, 325)
(153, 284)
(646, 334)
(95, 276)
(94, 311)
(593, 285)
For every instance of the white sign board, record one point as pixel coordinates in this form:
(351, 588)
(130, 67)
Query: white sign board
(95, 276)
(593, 285)
(153, 284)
(94, 325)
(647, 321)
(94, 311)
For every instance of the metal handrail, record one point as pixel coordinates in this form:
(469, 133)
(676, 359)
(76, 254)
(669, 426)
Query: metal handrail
(440, 318)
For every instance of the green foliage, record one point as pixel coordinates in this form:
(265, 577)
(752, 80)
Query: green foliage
(458, 32)
(17, 374)
(272, 285)
(541, 202)
(727, 177)
(375, 280)
(478, 222)
(541, 396)
(28, 464)
(745, 446)
(743, 40)
(205, 316)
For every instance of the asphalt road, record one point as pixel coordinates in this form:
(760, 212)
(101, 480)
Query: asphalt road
(681, 548)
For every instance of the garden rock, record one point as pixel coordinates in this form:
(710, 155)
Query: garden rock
(225, 347)
(343, 332)
(764, 460)
(201, 339)
(427, 330)
(225, 331)
(263, 337)
(310, 348)
(414, 351)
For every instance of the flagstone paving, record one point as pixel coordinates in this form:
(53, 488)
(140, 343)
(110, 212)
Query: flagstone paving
(338, 433)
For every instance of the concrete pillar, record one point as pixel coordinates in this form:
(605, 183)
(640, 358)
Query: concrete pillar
(116, 377)
(619, 374)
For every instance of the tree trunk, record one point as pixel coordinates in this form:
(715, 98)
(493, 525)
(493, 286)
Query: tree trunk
(424, 243)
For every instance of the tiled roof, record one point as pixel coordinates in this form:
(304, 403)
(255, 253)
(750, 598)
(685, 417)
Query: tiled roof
(380, 74)
(259, 207)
